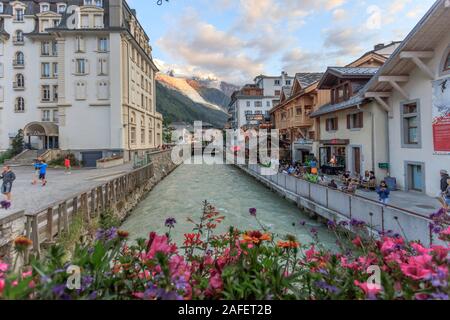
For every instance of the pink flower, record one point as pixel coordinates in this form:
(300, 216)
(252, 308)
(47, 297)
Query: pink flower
(215, 282)
(357, 242)
(371, 290)
(2, 285)
(420, 249)
(418, 268)
(388, 246)
(160, 244)
(445, 235)
(139, 295)
(3, 267)
(27, 274)
(440, 252)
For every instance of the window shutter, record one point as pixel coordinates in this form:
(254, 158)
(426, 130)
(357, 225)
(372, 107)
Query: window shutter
(86, 61)
(327, 124)
(337, 123)
(361, 119)
(349, 119)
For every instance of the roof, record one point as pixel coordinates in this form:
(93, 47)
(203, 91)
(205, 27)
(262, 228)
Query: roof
(425, 36)
(354, 71)
(329, 108)
(333, 73)
(306, 79)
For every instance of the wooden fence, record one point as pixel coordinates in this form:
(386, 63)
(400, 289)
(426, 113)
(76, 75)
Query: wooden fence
(45, 225)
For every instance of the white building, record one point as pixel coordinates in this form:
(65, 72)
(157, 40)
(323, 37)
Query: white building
(249, 107)
(414, 87)
(81, 81)
(273, 85)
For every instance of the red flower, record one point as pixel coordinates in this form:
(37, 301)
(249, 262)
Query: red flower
(357, 242)
(192, 239)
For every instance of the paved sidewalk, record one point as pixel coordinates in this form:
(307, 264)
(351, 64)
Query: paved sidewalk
(59, 187)
(412, 201)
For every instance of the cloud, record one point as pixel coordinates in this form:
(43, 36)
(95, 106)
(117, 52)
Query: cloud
(208, 50)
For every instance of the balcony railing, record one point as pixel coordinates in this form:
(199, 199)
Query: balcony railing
(18, 86)
(18, 40)
(18, 63)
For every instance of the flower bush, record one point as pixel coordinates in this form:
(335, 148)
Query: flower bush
(252, 264)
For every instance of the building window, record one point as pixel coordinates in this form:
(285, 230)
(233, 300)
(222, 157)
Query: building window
(277, 82)
(410, 117)
(45, 93)
(18, 16)
(45, 70)
(331, 124)
(18, 38)
(55, 116)
(248, 103)
(298, 111)
(102, 67)
(277, 93)
(133, 135)
(45, 48)
(80, 90)
(61, 8)
(103, 44)
(288, 82)
(55, 48)
(1, 7)
(45, 7)
(55, 69)
(80, 66)
(102, 90)
(46, 115)
(79, 44)
(20, 104)
(258, 104)
(268, 104)
(20, 81)
(355, 120)
(20, 59)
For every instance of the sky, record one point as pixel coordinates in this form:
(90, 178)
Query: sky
(236, 40)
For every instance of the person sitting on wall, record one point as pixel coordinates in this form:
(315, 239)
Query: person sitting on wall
(333, 184)
(351, 187)
(346, 178)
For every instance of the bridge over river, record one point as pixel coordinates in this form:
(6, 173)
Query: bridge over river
(180, 195)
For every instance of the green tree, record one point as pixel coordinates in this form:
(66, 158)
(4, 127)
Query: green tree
(17, 144)
(167, 132)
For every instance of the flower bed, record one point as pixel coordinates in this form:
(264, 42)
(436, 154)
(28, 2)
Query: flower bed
(252, 264)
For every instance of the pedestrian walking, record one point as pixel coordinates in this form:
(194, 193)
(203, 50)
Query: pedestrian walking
(36, 164)
(8, 178)
(43, 172)
(67, 165)
(444, 178)
(383, 192)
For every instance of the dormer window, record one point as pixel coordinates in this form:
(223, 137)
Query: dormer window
(61, 8)
(45, 7)
(97, 3)
(18, 15)
(1, 7)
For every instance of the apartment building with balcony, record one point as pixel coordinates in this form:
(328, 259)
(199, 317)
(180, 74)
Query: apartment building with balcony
(77, 76)
(291, 116)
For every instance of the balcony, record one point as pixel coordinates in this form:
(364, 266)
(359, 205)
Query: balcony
(18, 64)
(18, 86)
(18, 41)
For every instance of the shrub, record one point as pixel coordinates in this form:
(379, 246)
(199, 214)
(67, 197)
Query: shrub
(59, 162)
(238, 265)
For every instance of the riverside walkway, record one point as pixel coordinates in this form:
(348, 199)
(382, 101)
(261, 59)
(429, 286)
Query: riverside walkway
(60, 186)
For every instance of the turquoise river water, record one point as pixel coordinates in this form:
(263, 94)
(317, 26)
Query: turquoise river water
(232, 192)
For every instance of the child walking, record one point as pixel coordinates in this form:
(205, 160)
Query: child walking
(8, 178)
(67, 165)
(383, 192)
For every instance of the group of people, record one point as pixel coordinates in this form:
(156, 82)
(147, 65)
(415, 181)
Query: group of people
(299, 169)
(445, 189)
(40, 173)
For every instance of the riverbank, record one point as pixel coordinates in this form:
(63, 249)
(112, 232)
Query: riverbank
(117, 194)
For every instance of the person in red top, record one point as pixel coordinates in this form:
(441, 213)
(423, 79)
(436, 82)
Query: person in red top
(67, 165)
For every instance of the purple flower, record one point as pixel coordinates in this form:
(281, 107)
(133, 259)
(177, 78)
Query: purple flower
(331, 224)
(326, 286)
(439, 296)
(106, 235)
(170, 222)
(252, 212)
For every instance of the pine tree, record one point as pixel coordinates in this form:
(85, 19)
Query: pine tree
(17, 143)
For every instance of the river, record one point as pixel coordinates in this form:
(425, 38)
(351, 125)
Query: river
(232, 192)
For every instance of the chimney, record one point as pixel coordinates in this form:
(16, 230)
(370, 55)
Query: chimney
(283, 78)
(379, 46)
(115, 13)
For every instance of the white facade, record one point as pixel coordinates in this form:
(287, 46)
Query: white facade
(424, 57)
(272, 85)
(93, 84)
(245, 108)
